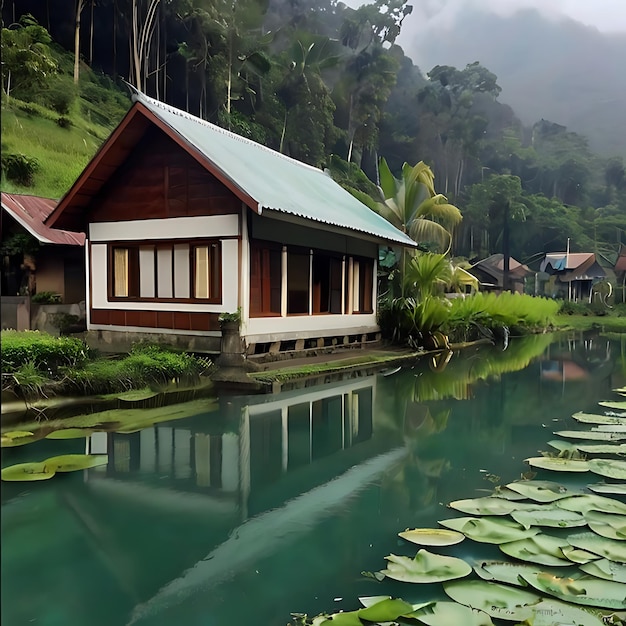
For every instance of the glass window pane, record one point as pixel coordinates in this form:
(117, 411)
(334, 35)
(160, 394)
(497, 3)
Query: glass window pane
(201, 287)
(120, 272)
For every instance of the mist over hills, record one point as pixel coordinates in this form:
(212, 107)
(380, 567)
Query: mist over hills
(560, 70)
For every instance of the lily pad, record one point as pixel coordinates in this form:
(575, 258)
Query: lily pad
(587, 591)
(588, 502)
(27, 472)
(602, 448)
(619, 405)
(488, 529)
(501, 601)
(542, 549)
(618, 489)
(489, 506)
(610, 428)
(426, 567)
(76, 462)
(558, 464)
(607, 525)
(69, 433)
(592, 418)
(609, 468)
(432, 536)
(590, 435)
(385, 610)
(507, 494)
(552, 516)
(446, 613)
(541, 490)
(16, 438)
(576, 555)
(606, 548)
(609, 570)
(504, 571)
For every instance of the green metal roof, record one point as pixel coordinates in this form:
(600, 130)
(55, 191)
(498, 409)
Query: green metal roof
(275, 181)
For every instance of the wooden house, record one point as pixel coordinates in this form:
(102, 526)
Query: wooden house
(53, 261)
(186, 220)
(574, 274)
(490, 273)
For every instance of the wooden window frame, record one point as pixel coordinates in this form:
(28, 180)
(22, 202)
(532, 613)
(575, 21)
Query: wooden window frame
(215, 297)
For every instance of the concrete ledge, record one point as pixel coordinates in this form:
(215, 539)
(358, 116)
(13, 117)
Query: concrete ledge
(120, 341)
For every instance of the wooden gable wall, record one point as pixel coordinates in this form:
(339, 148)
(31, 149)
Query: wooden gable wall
(159, 180)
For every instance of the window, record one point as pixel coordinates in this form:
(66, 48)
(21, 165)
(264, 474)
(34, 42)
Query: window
(298, 270)
(166, 271)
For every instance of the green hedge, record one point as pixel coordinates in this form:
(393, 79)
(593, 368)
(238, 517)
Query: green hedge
(43, 351)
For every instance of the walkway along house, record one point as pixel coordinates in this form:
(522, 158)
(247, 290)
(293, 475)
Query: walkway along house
(186, 221)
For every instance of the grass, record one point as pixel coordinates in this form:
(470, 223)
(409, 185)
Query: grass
(604, 323)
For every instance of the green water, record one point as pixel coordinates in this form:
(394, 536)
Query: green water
(276, 504)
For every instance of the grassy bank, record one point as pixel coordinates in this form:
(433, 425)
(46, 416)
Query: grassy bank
(605, 323)
(36, 365)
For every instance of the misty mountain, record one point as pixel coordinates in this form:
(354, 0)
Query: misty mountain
(562, 71)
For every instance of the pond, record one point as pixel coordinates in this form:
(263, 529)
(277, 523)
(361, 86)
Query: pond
(262, 506)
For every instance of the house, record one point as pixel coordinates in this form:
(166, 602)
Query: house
(37, 259)
(490, 273)
(620, 271)
(53, 258)
(186, 220)
(574, 274)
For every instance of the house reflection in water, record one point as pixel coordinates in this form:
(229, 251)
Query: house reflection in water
(248, 447)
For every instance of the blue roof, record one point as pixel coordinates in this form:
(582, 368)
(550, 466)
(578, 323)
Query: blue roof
(273, 180)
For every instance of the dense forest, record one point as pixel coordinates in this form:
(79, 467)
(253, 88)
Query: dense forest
(327, 84)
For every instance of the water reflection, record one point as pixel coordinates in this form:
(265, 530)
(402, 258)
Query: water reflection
(283, 498)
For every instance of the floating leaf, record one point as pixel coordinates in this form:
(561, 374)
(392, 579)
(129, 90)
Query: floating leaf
(606, 548)
(541, 490)
(618, 489)
(592, 418)
(603, 448)
(16, 434)
(385, 610)
(426, 567)
(504, 571)
(75, 462)
(607, 525)
(27, 472)
(609, 570)
(447, 613)
(488, 529)
(588, 502)
(591, 435)
(587, 591)
(69, 433)
(507, 494)
(16, 438)
(609, 468)
(432, 536)
(489, 506)
(558, 464)
(548, 516)
(502, 601)
(564, 446)
(610, 428)
(619, 405)
(576, 555)
(542, 549)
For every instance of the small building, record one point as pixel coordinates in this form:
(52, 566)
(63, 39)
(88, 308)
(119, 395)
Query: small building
(574, 274)
(186, 221)
(620, 272)
(490, 273)
(36, 257)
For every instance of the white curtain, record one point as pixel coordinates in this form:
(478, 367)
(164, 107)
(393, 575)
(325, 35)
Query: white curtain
(120, 272)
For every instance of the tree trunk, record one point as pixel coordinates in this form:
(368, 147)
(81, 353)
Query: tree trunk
(506, 250)
(80, 4)
(91, 36)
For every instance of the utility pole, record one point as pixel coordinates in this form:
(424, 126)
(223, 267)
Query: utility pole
(506, 248)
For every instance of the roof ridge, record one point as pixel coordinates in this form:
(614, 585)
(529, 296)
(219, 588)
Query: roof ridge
(142, 97)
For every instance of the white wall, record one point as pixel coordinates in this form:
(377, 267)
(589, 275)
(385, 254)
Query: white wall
(213, 226)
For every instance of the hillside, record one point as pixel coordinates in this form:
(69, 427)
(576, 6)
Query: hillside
(562, 71)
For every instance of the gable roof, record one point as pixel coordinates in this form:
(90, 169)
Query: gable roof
(494, 265)
(572, 266)
(30, 212)
(266, 180)
(620, 264)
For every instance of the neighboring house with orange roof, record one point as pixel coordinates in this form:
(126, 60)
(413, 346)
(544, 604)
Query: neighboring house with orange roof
(574, 273)
(490, 273)
(37, 258)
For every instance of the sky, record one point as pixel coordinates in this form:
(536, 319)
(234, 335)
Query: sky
(605, 15)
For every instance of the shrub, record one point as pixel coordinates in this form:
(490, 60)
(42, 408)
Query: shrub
(43, 351)
(46, 297)
(60, 96)
(573, 308)
(64, 122)
(20, 168)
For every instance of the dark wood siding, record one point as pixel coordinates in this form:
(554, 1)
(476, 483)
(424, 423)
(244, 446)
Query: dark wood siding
(156, 319)
(158, 180)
